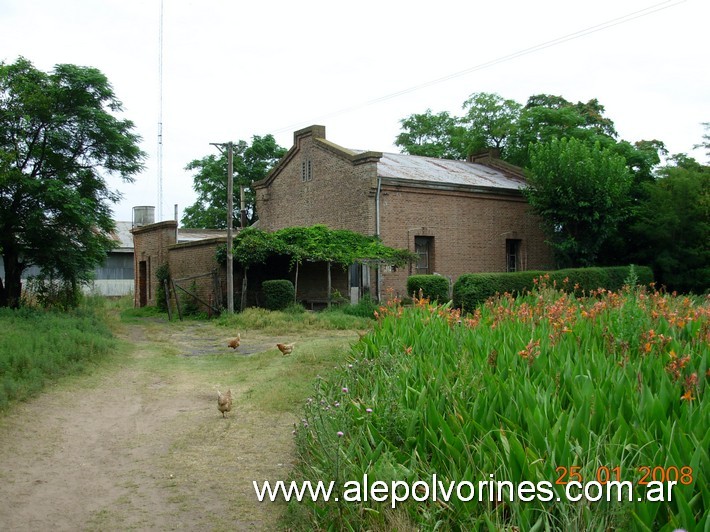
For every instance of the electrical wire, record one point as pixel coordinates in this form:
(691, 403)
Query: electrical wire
(526, 51)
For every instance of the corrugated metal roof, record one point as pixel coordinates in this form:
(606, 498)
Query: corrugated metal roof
(191, 235)
(123, 236)
(445, 171)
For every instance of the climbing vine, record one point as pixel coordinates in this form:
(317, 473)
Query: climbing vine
(315, 243)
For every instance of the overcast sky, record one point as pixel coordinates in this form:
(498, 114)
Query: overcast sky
(234, 69)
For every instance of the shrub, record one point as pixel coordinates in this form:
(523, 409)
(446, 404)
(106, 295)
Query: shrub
(433, 287)
(365, 308)
(472, 289)
(278, 294)
(53, 293)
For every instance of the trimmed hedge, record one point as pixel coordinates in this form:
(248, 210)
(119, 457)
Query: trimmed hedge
(472, 289)
(433, 287)
(278, 294)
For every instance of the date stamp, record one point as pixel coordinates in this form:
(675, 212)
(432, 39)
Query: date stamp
(643, 475)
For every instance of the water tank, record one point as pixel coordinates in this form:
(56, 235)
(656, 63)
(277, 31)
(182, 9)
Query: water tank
(143, 215)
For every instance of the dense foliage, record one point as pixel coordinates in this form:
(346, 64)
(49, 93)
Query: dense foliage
(251, 162)
(644, 215)
(278, 294)
(530, 389)
(434, 287)
(315, 243)
(581, 194)
(59, 139)
(671, 226)
(39, 346)
(472, 289)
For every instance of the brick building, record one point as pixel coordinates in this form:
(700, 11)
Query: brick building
(457, 216)
(190, 255)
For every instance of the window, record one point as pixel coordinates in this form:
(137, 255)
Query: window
(512, 254)
(306, 170)
(424, 249)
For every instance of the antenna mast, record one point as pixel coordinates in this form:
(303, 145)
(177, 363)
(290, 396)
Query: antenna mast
(160, 115)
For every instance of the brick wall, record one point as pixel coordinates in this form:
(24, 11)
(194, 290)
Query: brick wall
(150, 244)
(469, 231)
(338, 192)
(193, 265)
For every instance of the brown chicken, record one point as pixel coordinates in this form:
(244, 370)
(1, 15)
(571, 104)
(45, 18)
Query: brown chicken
(286, 349)
(234, 342)
(224, 401)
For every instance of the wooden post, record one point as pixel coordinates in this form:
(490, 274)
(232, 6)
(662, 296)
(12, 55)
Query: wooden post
(167, 298)
(244, 289)
(329, 285)
(177, 301)
(295, 286)
(230, 218)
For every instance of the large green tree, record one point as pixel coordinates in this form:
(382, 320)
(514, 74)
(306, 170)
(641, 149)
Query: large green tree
(59, 140)
(432, 135)
(489, 122)
(546, 117)
(671, 225)
(581, 194)
(252, 162)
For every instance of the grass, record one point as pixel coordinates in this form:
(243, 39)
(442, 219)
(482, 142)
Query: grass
(37, 347)
(278, 322)
(518, 390)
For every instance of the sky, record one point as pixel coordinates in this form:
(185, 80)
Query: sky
(235, 69)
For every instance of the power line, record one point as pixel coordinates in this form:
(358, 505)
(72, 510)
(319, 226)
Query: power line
(526, 51)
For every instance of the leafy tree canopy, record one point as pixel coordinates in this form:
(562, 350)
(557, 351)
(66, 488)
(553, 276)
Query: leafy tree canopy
(315, 243)
(581, 194)
(672, 224)
(432, 135)
(252, 162)
(489, 122)
(59, 139)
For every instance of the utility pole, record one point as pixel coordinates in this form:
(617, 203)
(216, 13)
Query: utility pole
(230, 218)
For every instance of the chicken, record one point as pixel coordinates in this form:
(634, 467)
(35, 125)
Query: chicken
(286, 349)
(234, 342)
(224, 401)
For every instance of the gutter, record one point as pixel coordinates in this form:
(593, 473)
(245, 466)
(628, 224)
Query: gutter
(377, 232)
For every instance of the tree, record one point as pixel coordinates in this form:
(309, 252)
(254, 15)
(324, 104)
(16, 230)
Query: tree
(672, 225)
(59, 139)
(581, 194)
(251, 163)
(489, 121)
(546, 117)
(431, 135)
(706, 139)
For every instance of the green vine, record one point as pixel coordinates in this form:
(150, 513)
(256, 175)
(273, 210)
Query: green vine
(315, 243)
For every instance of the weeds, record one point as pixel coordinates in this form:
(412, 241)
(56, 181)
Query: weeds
(38, 346)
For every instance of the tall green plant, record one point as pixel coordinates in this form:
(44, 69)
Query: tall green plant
(535, 388)
(580, 192)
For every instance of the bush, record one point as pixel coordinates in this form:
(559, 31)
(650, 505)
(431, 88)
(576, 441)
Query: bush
(53, 293)
(278, 294)
(472, 289)
(365, 308)
(433, 287)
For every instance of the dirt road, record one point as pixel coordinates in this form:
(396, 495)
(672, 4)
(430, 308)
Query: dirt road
(139, 444)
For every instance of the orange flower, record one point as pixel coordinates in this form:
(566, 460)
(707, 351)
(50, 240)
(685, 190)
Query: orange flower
(688, 395)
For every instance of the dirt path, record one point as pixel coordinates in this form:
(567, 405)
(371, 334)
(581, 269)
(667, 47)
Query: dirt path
(140, 444)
